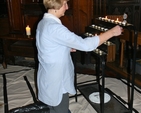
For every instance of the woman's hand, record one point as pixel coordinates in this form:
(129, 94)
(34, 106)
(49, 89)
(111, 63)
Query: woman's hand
(73, 50)
(117, 30)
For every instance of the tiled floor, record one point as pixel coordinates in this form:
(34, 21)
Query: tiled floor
(19, 94)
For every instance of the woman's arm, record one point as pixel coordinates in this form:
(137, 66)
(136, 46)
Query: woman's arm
(115, 31)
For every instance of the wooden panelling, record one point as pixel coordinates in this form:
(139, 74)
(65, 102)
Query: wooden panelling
(79, 15)
(68, 22)
(4, 26)
(130, 7)
(32, 21)
(15, 17)
(31, 1)
(82, 14)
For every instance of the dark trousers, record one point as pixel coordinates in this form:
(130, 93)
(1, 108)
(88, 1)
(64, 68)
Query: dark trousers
(63, 107)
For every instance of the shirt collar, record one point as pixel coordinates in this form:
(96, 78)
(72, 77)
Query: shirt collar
(48, 15)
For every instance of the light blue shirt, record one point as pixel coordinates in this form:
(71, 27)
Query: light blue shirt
(56, 71)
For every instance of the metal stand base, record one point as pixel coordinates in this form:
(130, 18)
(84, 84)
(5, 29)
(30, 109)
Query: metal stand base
(113, 106)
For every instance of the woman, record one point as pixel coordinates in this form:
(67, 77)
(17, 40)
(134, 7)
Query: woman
(54, 42)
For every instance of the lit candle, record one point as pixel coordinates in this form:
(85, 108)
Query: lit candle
(109, 20)
(108, 43)
(100, 18)
(100, 52)
(96, 50)
(103, 18)
(93, 26)
(120, 22)
(98, 27)
(112, 21)
(124, 23)
(106, 18)
(28, 31)
(102, 28)
(117, 20)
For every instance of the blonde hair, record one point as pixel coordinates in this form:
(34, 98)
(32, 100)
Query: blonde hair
(53, 4)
